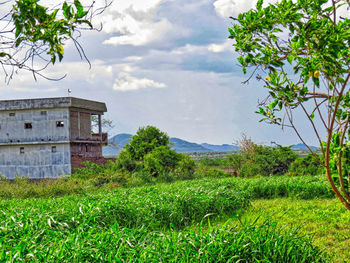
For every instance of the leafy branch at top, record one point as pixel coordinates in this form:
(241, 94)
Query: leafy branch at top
(303, 49)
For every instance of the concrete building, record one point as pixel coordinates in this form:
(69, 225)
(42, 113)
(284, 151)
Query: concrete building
(48, 137)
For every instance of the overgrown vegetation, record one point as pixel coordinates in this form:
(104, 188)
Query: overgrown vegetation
(158, 223)
(300, 50)
(160, 206)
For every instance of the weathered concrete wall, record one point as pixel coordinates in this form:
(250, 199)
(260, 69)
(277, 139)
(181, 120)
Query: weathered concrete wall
(35, 161)
(49, 103)
(43, 122)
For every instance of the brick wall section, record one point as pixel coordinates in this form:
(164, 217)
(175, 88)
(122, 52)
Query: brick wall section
(87, 150)
(85, 125)
(77, 161)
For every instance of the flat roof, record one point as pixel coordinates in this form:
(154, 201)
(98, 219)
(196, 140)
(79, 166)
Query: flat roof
(48, 103)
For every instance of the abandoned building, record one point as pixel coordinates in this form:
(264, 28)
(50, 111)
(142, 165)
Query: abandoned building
(49, 137)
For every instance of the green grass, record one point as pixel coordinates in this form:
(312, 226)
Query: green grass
(327, 221)
(163, 222)
(90, 242)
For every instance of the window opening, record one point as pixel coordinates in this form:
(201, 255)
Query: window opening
(53, 149)
(11, 114)
(59, 123)
(21, 150)
(28, 125)
(43, 112)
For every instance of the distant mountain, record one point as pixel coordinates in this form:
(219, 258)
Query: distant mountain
(117, 142)
(220, 148)
(183, 146)
(302, 146)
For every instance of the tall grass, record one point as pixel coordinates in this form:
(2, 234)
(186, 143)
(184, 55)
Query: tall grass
(154, 224)
(161, 206)
(90, 243)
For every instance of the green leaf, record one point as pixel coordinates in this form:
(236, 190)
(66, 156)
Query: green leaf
(3, 54)
(80, 10)
(312, 116)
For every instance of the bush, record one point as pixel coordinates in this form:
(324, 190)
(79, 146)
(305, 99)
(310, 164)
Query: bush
(144, 141)
(262, 160)
(185, 168)
(250, 169)
(205, 171)
(124, 162)
(161, 160)
(307, 165)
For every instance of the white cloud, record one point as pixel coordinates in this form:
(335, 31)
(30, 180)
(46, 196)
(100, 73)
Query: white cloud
(218, 48)
(127, 82)
(135, 23)
(227, 8)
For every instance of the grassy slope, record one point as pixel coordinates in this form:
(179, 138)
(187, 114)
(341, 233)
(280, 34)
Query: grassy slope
(324, 219)
(52, 227)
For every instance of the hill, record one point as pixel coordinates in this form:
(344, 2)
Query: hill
(117, 142)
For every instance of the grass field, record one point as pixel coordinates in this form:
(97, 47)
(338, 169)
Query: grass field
(185, 221)
(325, 220)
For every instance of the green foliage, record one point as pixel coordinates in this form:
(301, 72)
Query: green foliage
(124, 162)
(307, 165)
(35, 24)
(144, 141)
(166, 222)
(161, 160)
(185, 167)
(303, 49)
(263, 160)
(23, 188)
(320, 218)
(205, 171)
(88, 241)
(303, 187)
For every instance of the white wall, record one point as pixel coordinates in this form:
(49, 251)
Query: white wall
(43, 126)
(37, 161)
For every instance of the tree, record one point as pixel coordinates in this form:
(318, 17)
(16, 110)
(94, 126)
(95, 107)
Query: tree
(32, 36)
(303, 49)
(145, 140)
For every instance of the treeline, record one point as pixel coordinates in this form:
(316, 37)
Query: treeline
(148, 158)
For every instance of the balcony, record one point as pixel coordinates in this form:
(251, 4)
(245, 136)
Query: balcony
(95, 138)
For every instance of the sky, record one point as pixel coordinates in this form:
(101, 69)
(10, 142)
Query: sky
(167, 63)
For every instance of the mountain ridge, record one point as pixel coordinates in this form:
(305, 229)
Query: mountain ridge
(117, 142)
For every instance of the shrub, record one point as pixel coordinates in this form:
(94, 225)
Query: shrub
(185, 168)
(205, 171)
(161, 160)
(124, 162)
(307, 165)
(262, 160)
(250, 169)
(146, 140)
(90, 170)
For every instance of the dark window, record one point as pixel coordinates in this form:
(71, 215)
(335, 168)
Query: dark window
(86, 148)
(44, 112)
(59, 123)
(12, 114)
(53, 149)
(28, 125)
(21, 150)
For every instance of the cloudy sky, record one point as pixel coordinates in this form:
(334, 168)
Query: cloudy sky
(167, 63)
